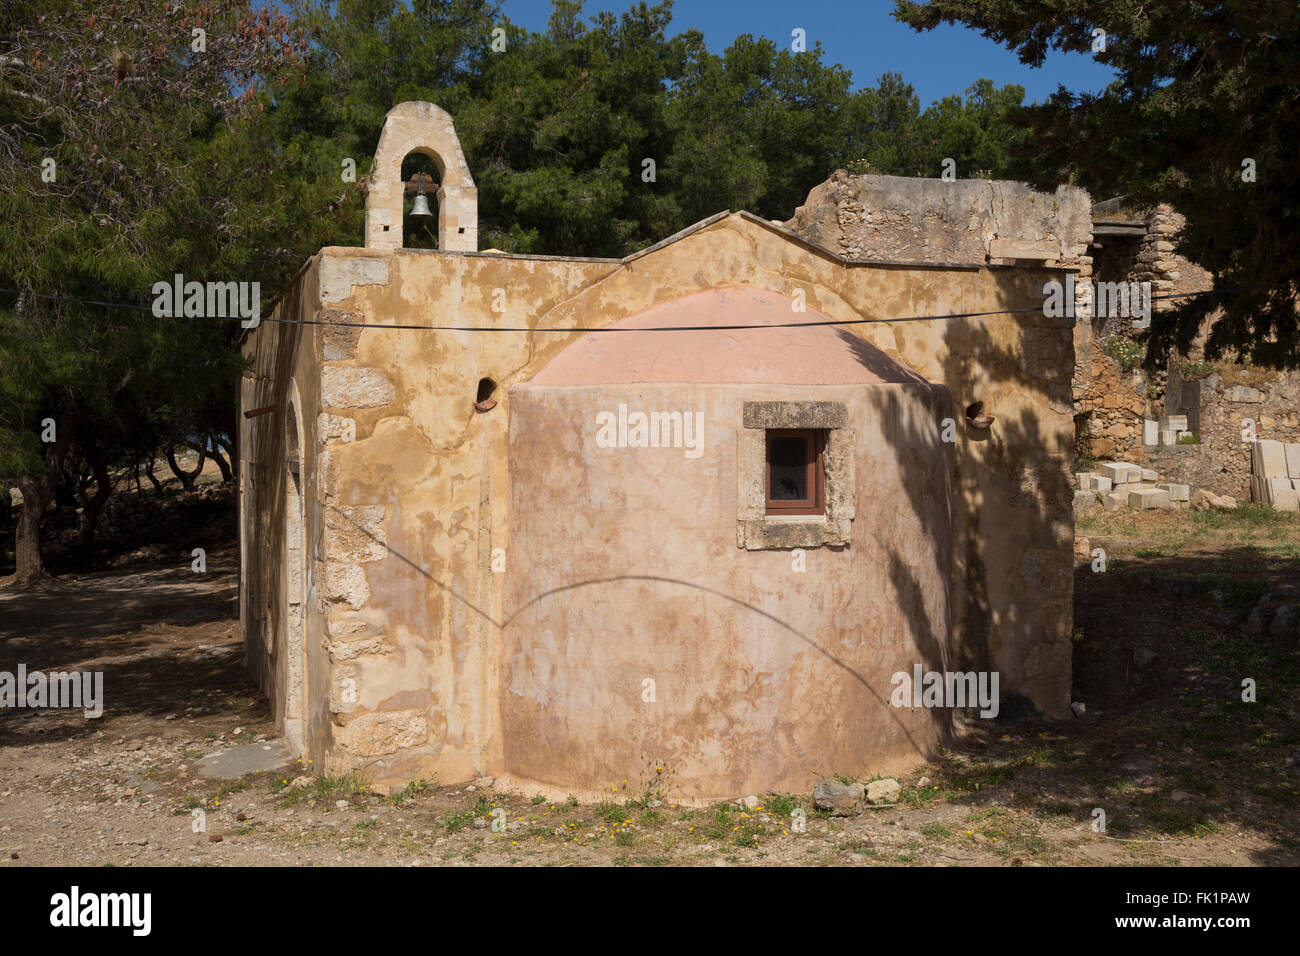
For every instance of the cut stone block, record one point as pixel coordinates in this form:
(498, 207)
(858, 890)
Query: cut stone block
(1099, 483)
(1293, 460)
(1083, 480)
(1256, 492)
(1150, 431)
(1176, 491)
(1149, 475)
(1116, 500)
(1288, 500)
(1117, 472)
(1177, 423)
(1085, 502)
(1147, 498)
(1268, 459)
(1274, 487)
(1168, 436)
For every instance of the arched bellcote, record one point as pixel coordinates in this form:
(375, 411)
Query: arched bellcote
(418, 127)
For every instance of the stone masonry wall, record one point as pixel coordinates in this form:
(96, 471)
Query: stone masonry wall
(407, 484)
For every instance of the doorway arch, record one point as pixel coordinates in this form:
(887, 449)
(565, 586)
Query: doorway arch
(294, 564)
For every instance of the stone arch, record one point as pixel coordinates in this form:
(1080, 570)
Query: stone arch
(420, 127)
(295, 584)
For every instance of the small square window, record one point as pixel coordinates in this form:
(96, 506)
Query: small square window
(796, 478)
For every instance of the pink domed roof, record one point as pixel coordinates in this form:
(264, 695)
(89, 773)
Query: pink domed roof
(818, 355)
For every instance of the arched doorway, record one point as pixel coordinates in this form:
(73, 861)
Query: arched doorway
(295, 704)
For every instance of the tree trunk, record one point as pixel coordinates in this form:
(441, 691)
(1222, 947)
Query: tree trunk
(148, 473)
(232, 449)
(91, 508)
(29, 567)
(29, 564)
(187, 477)
(216, 456)
(6, 506)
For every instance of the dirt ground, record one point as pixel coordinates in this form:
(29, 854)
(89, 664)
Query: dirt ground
(1185, 772)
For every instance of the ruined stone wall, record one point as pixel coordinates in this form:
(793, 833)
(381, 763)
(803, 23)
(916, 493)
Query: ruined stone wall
(1111, 403)
(1216, 397)
(961, 222)
(1219, 406)
(1158, 261)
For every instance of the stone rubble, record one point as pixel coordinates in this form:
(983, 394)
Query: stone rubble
(1275, 474)
(1122, 484)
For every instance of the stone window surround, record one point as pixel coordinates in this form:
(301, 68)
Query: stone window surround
(758, 531)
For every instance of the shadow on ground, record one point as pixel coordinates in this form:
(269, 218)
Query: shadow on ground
(165, 639)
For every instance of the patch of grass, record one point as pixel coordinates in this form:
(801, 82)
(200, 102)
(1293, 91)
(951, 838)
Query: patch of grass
(936, 830)
(1193, 778)
(1179, 821)
(412, 789)
(234, 786)
(455, 822)
(1154, 552)
(328, 788)
(781, 804)
(1056, 808)
(539, 799)
(1235, 591)
(610, 812)
(920, 796)
(719, 828)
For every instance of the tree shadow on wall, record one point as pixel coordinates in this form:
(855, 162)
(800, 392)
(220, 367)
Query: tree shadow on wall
(1011, 522)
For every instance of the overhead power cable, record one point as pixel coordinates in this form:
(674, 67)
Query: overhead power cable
(660, 328)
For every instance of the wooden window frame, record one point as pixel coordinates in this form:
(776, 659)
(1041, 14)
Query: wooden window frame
(814, 505)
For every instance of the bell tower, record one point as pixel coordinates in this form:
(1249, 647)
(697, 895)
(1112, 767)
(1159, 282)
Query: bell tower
(419, 127)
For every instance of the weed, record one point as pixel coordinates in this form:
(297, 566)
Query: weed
(410, 790)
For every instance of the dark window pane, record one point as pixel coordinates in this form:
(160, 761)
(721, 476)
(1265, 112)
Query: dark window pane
(788, 456)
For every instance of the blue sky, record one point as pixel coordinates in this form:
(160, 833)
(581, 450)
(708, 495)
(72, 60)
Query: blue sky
(862, 36)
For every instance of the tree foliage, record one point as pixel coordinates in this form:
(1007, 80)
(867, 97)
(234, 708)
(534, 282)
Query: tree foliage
(1202, 88)
(232, 159)
(129, 155)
